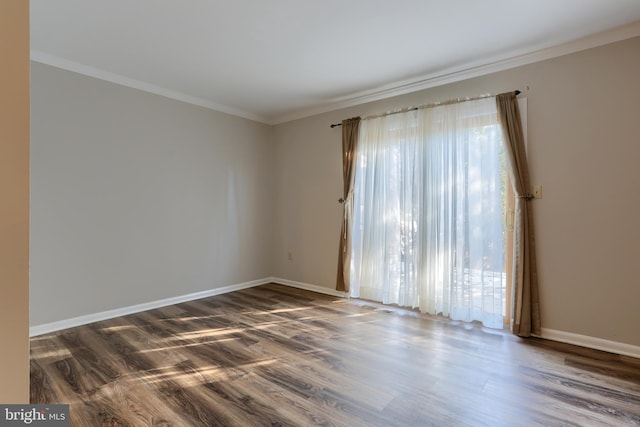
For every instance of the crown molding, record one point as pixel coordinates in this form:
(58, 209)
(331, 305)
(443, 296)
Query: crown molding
(427, 81)
(65, 64)
(467, 71)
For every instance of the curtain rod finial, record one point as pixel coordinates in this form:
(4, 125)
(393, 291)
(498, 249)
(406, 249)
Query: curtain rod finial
(517, 92)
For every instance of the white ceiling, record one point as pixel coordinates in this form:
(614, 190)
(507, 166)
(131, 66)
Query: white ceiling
(276, 60)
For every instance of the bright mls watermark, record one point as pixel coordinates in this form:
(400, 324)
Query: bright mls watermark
(34, 415)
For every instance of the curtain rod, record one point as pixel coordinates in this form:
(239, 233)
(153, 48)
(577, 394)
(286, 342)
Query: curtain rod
(435, 104)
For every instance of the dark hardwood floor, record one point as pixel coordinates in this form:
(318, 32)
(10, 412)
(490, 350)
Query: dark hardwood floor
(279, 356)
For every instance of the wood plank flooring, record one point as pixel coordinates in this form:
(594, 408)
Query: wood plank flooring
(279, 356)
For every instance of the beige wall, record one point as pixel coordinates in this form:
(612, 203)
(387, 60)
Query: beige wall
(583, 135)
(14, 201)
(137, 197)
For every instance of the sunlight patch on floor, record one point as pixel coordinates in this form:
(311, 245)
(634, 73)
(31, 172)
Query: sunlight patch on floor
(180, 346)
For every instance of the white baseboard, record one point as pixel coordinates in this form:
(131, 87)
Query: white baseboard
(549, 334)
(591, 342)
(308, 287)
(110, 314)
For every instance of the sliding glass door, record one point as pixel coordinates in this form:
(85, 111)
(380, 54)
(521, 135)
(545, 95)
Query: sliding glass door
(430, 203)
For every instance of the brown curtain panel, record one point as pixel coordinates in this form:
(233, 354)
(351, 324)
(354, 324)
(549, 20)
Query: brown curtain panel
(526, 301)
(350, 129)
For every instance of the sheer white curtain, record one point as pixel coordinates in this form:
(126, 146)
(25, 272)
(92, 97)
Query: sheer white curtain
(428, 211)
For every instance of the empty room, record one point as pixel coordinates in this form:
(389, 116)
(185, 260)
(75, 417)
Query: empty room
(339, 213)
